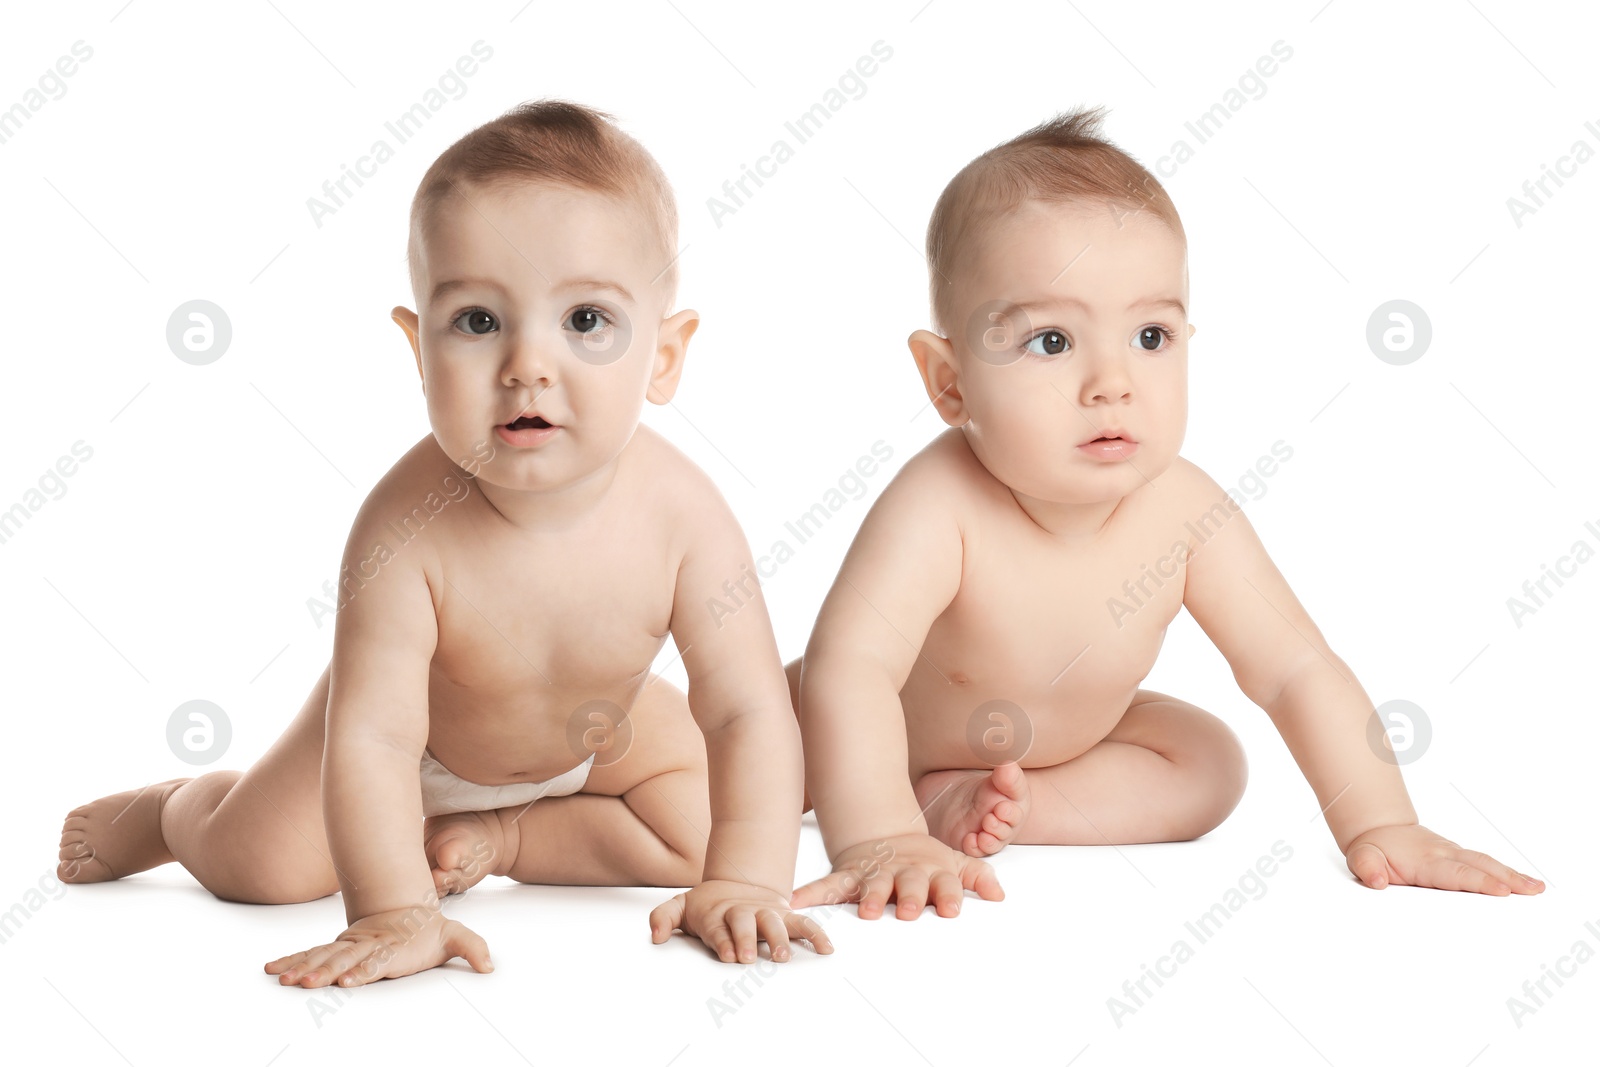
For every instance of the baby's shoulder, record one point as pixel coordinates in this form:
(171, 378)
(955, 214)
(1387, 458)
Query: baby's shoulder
(677, 495)
(943, 474)
(413, 494)
(1181, 492)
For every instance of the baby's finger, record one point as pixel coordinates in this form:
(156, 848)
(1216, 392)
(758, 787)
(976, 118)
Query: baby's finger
(742, 924)
(1515, 881)
(840, 887)
(945, 892)
(1368, 863)
(311, 959)
(1454, 874)
(666, 918)
(874, 895)
(804, 927)
(466, 943)
(283, 963)
(979, 877)
(911, 892)
(769, 925)
(720, 940)
(339, 964)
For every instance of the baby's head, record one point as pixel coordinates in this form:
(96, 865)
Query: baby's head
(1059, 285)
(544, 265)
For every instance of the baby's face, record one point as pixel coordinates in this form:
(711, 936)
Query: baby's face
(540, 331)
(1069, 324)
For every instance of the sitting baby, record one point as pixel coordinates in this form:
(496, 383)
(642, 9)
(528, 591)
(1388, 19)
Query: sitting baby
(972, 680)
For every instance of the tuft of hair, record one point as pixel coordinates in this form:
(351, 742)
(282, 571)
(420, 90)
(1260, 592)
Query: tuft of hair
(560, 143)
(1064, 158)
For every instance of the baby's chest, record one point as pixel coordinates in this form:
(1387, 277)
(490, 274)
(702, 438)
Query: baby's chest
(1097, 615)
(588, 619)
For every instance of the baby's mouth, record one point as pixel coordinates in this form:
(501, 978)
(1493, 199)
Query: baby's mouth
(523, 422)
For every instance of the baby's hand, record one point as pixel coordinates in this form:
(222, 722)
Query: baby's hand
(914, 869)
(390, 944)
(1415, 855)
(730, 917)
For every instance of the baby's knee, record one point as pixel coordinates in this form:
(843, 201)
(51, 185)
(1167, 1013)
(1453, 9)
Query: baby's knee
(1219, 771)
(270, 883)
(275, 891)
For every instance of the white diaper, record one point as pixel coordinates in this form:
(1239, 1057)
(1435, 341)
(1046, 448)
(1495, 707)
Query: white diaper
(444, 792)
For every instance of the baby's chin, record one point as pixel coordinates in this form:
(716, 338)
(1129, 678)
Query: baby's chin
(1106, 484)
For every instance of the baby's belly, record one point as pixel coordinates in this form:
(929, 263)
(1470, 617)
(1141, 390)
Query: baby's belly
(529, 733)
(967, 727)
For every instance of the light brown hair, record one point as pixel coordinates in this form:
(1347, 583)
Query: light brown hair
(561, 143)
(1064, 158)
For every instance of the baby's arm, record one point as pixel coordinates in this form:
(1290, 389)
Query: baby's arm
(739, 698)
(902, 571)
(1282, 663)
(377, 726)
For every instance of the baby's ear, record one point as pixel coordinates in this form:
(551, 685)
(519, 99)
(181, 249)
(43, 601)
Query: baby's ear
(936, 362)
(672, 345)
(1191, 329)
(406, 319)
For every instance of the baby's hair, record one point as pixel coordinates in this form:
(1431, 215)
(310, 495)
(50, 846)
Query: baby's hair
(1064, 158)
(561, 143)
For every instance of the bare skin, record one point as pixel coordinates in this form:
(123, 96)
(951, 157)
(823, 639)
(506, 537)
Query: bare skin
(972, 680)
(501, 603)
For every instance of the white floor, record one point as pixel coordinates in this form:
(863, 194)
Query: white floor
(1308, 968)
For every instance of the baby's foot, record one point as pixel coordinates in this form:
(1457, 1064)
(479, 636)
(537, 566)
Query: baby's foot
(977, 812)
(115, 836)
(465, 847)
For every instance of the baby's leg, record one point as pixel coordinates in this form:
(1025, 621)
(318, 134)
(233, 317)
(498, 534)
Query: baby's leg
(255, 836)
(641, 820)
(1168, 771)
(792, 671)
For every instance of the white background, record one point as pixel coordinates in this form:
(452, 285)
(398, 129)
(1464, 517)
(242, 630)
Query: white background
(1375, 165)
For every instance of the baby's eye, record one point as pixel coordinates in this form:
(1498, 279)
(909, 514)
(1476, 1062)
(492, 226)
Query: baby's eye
(588, 319)
(1155, 335)
(1047, 343)
(478, 321)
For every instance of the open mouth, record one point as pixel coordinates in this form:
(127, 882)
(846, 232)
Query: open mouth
(525, 423)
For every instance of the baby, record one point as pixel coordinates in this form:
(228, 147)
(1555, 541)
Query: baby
(973, 677)
(505, 588)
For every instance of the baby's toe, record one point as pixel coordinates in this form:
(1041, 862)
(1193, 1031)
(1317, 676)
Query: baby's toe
(77, 860)
(988, 844)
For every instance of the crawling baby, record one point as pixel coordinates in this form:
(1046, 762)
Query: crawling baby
(505, 589)
(972, 680)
